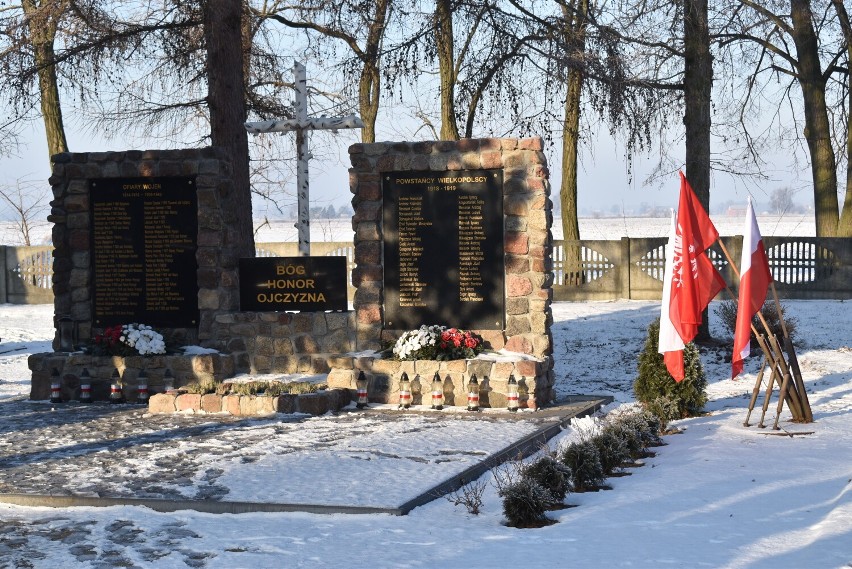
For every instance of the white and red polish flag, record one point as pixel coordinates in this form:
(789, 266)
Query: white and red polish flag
(695, 281)
(669, 342)
(755, 278)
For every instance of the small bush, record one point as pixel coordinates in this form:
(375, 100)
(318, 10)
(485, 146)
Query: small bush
(647, 424)
(632, 438)
(612, 448)
(469, 496)
(654, 381)
(202, 387)
(551, 474)
(727, 313)
(273, 388)
(584, 460)
(524, 502)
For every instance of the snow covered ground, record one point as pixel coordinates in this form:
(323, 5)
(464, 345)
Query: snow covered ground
(718, 495)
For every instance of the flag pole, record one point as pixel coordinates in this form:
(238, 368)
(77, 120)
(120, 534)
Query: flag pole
(775, 354)
(794, 361)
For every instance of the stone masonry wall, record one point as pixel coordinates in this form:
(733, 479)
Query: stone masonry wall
(527, 211)
(217, 253)
(282, 342)
(251, 341)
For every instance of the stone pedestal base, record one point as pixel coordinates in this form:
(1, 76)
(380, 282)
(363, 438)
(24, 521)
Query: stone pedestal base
(318, 403)
(185, 369)
(535, 379)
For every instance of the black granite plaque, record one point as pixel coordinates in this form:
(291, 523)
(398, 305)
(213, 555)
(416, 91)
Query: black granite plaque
(443, 249)
(309, 284)
(143, 243)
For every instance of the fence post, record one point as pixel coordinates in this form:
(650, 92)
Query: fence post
(627, 267)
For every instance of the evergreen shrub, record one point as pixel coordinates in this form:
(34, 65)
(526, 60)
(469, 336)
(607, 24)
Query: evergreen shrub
(524, 502)
(612, 449)
(584, 460)
(682, 399)
(551, 474)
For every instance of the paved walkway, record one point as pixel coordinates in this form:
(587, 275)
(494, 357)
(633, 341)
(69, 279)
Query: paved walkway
(86, 454)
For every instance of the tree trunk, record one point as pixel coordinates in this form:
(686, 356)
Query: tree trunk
(226, 101)
(817, 127)
(575, 15)
(369, 88)
(42, 26)
(845, 228)
(568, 188)
(697, 86)
(368, 100)
(446, 65)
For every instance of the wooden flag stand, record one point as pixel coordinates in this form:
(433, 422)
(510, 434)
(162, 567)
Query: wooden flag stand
(784, 371)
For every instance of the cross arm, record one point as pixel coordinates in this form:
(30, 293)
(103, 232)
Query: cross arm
(320, 123)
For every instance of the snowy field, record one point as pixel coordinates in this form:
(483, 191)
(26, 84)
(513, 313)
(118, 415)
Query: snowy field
(718, 495)
(790, 225)
(278, 231)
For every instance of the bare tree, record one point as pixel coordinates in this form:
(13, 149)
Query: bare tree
(781, 200)
(361, 26)
(26, 205)
(807, 47)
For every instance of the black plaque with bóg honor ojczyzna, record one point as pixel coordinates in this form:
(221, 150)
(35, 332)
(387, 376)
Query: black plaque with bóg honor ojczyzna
(443, 249)
(144, 235)
(308, 284)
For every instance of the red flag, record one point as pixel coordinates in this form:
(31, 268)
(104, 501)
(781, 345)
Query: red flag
(755, 278)
(695, 280)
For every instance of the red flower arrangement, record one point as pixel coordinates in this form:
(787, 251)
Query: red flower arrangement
(458, 344)
(109, 343)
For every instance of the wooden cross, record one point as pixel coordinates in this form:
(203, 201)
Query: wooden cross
(301, 124)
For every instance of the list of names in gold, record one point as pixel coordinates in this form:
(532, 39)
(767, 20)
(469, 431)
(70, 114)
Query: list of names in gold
(410, 215)
(471, 254)
(118, 268)
(164, 246)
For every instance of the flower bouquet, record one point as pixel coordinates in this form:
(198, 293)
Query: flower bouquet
(129, 340)
(438, 343)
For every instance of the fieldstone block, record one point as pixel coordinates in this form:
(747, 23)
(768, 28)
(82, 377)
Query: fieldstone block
(526, 368)
(284, 364)
(517, 325)
(211, 403)
(426, 368)
(231, 404)
(491, 159)
(517, 243)
(264, 346)
(319, 365)
(481, 368)
(340, 362)
(495, 339)
(282, 347)
(162, 403)
(518, 286)
(306, 345)
(339, 378)
(313, 403)
(519, 344)
(285, 403)
(188, 402)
